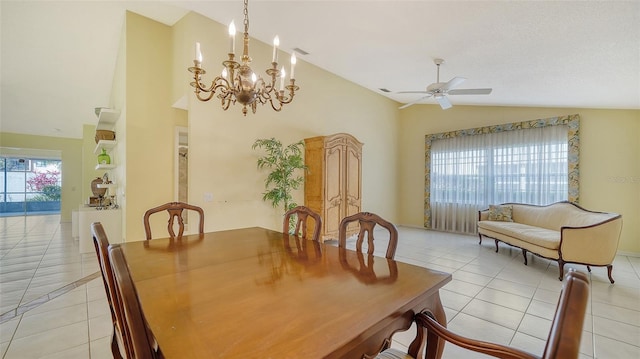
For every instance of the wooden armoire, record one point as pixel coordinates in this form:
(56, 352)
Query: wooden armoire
(333, 182)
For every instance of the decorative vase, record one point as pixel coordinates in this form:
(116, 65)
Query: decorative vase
(98, 192)
(104, 158)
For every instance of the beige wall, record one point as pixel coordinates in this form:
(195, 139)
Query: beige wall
(609, 156)
(72, 173)
(221, 160)
(118, 100)
(149, 121)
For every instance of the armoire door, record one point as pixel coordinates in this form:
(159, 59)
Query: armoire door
(334, 190)
(352, 184)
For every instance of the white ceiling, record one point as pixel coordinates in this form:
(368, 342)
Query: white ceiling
(58, 57)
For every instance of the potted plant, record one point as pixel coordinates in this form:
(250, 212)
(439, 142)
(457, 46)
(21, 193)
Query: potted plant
(283, 178)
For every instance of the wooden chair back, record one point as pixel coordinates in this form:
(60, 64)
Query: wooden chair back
(563, 341)
(101, 244)
(175, 210)
(303, 213)
(367, 222)
(566, 328)
(139, 335)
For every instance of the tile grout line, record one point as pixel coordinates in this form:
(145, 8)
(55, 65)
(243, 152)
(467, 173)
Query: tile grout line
(36, 271)
(593, 324)
(47, 297)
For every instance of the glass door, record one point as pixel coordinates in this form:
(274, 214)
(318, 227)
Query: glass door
(29, 186)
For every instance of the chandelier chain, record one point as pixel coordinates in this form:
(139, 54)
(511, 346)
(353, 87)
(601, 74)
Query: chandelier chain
(246, 16)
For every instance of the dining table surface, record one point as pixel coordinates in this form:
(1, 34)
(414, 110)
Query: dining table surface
(259, 293)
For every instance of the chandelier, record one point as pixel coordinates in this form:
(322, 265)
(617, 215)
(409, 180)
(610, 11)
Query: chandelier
(238, 83)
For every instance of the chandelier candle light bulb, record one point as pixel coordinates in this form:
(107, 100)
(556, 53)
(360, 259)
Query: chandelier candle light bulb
(283, 74)
(238, 83)
(198, 53)
(232, 38)
(276, 43)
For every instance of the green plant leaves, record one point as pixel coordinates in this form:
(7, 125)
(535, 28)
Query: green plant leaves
(283, 163)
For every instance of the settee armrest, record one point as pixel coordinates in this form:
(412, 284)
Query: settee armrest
(483, 215)
(596, 244)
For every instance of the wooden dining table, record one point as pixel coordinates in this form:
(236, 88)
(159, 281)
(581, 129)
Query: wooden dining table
(258, 293)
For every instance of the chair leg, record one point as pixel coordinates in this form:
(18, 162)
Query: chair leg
(524, 254)
(561, 268)
(609, 270)
(480, 236)
(496, 246)
(589, 269)
(115, 349)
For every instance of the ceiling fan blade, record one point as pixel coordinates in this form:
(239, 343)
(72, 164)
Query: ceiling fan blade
(414, 92)
(454, 82)
(413, 102)
(470, 92)
(444, 102)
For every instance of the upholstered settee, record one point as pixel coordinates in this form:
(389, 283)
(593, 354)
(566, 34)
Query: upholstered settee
(561, 231)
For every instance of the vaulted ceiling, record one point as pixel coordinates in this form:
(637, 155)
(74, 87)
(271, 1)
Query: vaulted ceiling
(58, 57)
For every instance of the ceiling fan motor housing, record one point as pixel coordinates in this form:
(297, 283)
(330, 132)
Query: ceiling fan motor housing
(435, 87)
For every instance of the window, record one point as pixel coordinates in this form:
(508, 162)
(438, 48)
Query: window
(471, 169)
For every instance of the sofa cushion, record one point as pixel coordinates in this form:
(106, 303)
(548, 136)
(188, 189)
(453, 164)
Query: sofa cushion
(542, 237)
(502, 213)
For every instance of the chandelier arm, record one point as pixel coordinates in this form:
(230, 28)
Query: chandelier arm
(226, 101)
(225, 97)
(220, 83)
(273, 105)
(262, 91)
(292, 88)
(204, 98)
(199, 88)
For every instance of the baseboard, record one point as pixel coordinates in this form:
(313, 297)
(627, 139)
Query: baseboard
(435, 230)
(628, 254)
(412, 226)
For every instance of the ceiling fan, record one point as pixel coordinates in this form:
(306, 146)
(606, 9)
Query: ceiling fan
(440, 90)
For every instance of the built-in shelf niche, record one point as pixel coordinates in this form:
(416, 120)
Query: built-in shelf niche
(107, 118)
(106, 144)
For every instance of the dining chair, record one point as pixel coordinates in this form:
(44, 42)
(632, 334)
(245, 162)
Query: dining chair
(141, 341)
(302, 213)
(175, 210)
(563, 341)
(101, 244)
(367, 222)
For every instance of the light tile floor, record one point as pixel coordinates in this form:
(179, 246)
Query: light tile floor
(53, 305)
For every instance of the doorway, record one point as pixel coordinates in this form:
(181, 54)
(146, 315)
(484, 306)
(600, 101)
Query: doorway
(181, 176)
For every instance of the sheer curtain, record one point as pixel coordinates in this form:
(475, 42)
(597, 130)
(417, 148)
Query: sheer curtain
(470, 172)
